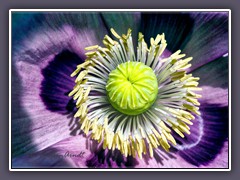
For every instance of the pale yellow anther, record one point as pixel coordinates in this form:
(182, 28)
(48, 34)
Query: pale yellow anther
(114, 144)
(125, 148)
(155, 139)
(115, 33)
(117, 141)
(152, 41)
(178, 132)
(179, 56)
(139, 150)
(185, 67)
(105, 142)
(164, 142)
(184, 129)
(185, 77)
(189, 117)
(105, 43)
(104, 50)
(77, 114)
(185, 61)
(75, 89)
(198, 113)
(124, 37)
(90, 53)
(83, 123)
(78, 93)
(87, 127)
(78, 103)
(100, 136)
(186, 114)
(86, 93)
(81, 76)
(84, 110)
(150, 150)
(140, 37)
(91, 47)
(162, 125)
(144, 147)
(152, 141)
(131, 138)
(192, 109)
(105, 122)
(163, 41)
(109, 40)
(110, 140)
(191, 83)
(94, 125)
(85, 64)
(76, 72)
(158, 39)
(192, 100)
(139, 146)
(156, 133)
(99, 133)
(185, 120)
(169, 137)
(175, 54)
(194, 79)
(133, 152)
(129, 31)
(137, 138)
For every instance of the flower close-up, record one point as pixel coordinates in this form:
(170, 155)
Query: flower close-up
(119, 89)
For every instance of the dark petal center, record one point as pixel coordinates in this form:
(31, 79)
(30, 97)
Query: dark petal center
(57, 82)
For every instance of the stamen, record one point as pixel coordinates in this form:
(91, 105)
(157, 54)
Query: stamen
(133, 102)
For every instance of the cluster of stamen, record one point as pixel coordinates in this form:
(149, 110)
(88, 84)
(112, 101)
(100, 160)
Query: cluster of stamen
(137, 125)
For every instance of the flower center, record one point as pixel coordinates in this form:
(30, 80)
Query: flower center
(133, 101)
(132, 88)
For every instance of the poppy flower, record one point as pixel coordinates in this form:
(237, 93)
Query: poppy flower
(119, 90)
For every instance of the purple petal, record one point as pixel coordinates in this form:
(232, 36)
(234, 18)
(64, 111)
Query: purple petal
(34, 127)
(209, 39)
(211, 95)
(68, 153)
(214, 74)
(30, 118)
(28, 26)
(207, 136)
